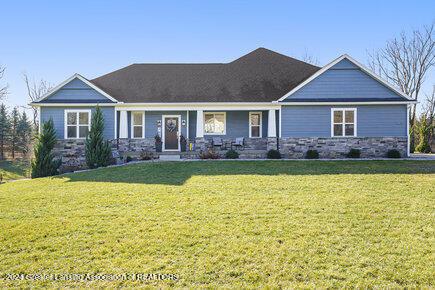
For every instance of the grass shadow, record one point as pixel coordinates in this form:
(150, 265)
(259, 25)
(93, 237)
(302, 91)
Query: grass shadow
(176, 173)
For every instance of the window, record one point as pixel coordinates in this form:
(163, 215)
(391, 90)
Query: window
(343, 122)
(214, 123)
(77, 123)
(137, 124)
(255, 125)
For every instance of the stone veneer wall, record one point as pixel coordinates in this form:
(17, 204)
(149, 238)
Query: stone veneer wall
(72, 152)
(371, 147)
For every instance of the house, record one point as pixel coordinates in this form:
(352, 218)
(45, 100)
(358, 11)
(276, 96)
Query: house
(271, 100)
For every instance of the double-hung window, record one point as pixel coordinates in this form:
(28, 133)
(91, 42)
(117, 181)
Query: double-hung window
(255, 125)
(137, 124)
(215, 123)
(77, 124)
(343, 122)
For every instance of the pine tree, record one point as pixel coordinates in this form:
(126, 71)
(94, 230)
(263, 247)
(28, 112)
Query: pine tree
(44, 163)
(24, 133)
(14, 135)
(98, 151)
(5, 127)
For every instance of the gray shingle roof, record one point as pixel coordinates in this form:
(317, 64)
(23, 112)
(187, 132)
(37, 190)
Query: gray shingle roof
(259, 76)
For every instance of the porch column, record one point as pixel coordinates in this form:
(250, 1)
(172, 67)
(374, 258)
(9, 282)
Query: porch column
(123, 124)
(199, 140)
(271, 124)
(272, 142)
(200, 124)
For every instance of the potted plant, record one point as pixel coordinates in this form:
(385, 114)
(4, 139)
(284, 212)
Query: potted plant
(183, 143)
(158, 142)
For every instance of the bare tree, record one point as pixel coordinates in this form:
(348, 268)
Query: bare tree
(35, 90)
(3, 89)
(309, 58)
(405, 61)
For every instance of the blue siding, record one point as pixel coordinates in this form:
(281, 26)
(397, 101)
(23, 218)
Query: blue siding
(237, 124)
(76, 90)
(345, 81)
(372, 121)
(58, 116)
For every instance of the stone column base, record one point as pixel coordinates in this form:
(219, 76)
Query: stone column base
(272, 143)
(200, 144)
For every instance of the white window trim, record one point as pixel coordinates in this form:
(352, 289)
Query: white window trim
(261, 124)
(132, 125)
(225, 123)
(77, 111)
(355, 134)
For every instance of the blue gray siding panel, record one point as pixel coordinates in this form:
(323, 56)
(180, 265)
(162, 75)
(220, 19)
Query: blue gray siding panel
(345, 81)
(372, 121)
(75, 91)
(58, 116)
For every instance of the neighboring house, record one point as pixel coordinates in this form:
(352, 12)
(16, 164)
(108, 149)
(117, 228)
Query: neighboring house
(271, 100)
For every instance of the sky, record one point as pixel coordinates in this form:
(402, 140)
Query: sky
(52, 40)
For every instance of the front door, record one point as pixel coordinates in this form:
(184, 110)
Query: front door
(171, 132)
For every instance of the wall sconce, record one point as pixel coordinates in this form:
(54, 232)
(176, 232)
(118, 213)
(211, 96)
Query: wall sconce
(159, 123)
(183, 122)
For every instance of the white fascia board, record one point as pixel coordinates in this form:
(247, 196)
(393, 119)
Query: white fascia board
(83, 79)
(72, 104)
(334, 62)
(347, 103)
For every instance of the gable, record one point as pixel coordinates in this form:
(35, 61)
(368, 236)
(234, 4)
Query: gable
(344, 81)
(76, 91)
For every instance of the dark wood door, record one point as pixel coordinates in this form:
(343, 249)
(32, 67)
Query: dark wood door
(171, 133)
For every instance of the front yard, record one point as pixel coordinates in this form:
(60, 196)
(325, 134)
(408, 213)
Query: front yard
(226, 224)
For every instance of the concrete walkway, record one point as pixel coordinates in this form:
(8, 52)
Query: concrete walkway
(422, 156)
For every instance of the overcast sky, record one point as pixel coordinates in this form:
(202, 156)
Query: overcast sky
(54, 39)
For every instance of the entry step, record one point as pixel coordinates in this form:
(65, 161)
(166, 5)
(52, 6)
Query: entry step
(171, 157)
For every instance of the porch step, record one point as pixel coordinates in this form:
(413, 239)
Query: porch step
(170, 157)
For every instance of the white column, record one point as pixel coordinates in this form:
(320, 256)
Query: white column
(200, 124)
(123, 124)
(271, 124)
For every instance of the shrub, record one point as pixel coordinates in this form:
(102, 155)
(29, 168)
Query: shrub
(209, 154)
(393, 153)
(146, 155)
(98, 152)
(44, 163)
(128, 159)
(232, 154)
(273, 154)
(312, 154)
(354, 153)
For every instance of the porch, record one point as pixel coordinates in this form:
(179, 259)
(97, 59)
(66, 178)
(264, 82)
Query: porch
(192, 131)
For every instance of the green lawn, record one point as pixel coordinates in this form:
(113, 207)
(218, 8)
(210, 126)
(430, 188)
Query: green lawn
(226, 224)
(12, 170)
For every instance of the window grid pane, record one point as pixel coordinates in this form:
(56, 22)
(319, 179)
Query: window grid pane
(255, 131)
(338, 117)
(71, 118)
(71, 131)
(137, 132)
(83, 118)
(137, 119)
(83, 131)
(349, 117)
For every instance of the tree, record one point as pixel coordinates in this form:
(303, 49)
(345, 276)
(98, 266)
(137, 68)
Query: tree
(24, 133)
(5, 127)
(405, 61)
(44, 163)
(424, 129)
(36, 90)
(4, 88)
(98, 151)
(14, 137)
(309, 58)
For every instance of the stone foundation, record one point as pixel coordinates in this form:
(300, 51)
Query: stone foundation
(371, 147)
(72, 152)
